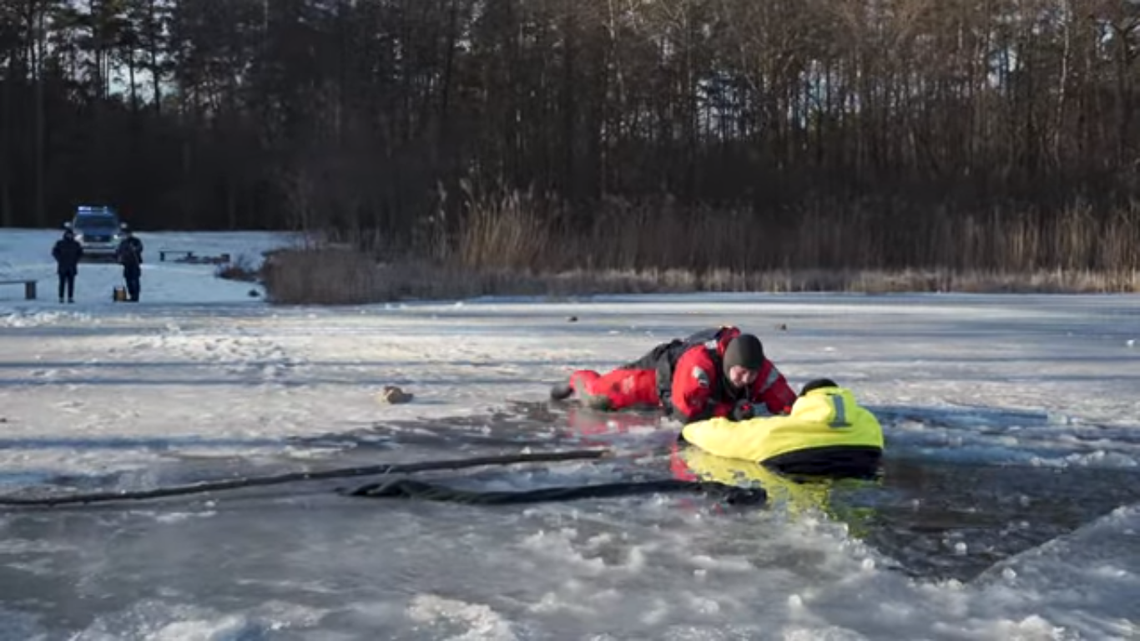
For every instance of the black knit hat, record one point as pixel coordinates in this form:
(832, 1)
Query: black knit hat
(819, 383)
(744, 350)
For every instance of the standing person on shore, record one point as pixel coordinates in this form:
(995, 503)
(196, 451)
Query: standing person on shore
(67, 252)
(129, 255)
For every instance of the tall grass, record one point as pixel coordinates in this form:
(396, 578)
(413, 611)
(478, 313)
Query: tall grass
(516, 243)
(514, 233)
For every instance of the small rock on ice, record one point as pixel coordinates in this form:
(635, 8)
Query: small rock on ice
(394, 395)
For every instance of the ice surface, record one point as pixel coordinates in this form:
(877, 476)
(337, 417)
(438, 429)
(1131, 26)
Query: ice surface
(1008, 509)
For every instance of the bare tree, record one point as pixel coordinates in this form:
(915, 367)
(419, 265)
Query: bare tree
(189, 113)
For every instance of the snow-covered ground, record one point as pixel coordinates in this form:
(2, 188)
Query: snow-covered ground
(1016, 415)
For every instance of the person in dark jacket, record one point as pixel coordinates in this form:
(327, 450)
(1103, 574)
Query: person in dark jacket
(129, 255)
(67, 253)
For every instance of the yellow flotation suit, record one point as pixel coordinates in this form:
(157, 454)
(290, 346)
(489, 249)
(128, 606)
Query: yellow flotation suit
(827, 417)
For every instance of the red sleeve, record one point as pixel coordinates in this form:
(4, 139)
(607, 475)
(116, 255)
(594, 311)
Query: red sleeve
(772, 389)
(693, 381)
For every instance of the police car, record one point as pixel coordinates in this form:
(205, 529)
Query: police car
(98, 230)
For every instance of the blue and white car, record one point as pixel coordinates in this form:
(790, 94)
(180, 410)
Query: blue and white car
(98, 230)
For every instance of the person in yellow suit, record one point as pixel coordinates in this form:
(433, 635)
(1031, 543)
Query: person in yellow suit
(828, 435)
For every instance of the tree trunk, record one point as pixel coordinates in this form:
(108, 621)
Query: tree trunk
(7, 215)
(40, 116)
(155, 65)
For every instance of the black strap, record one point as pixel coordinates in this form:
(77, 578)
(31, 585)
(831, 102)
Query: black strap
(411, 489)
(292, 477)
(666, 368)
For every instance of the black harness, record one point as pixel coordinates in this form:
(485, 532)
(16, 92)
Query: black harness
(663, 358)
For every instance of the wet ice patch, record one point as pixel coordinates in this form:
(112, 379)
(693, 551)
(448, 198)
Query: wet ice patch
(460, 620)
(1030, 628)
(19, 318)
(178, 517)
(1008, 436)
(822, 633)
(19, 626)
(586, 554)
(163, 621)
(1088, 580)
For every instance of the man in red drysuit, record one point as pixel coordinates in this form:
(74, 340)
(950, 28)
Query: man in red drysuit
(717, 372)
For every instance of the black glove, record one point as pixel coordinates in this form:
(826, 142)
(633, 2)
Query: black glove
(743, 410)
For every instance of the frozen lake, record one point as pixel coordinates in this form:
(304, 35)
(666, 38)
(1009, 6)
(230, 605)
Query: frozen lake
(1009, 507)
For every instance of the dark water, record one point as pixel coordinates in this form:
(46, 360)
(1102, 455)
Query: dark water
(941, 520)
(937, 519)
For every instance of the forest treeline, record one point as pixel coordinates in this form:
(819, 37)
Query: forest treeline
(741, 134)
